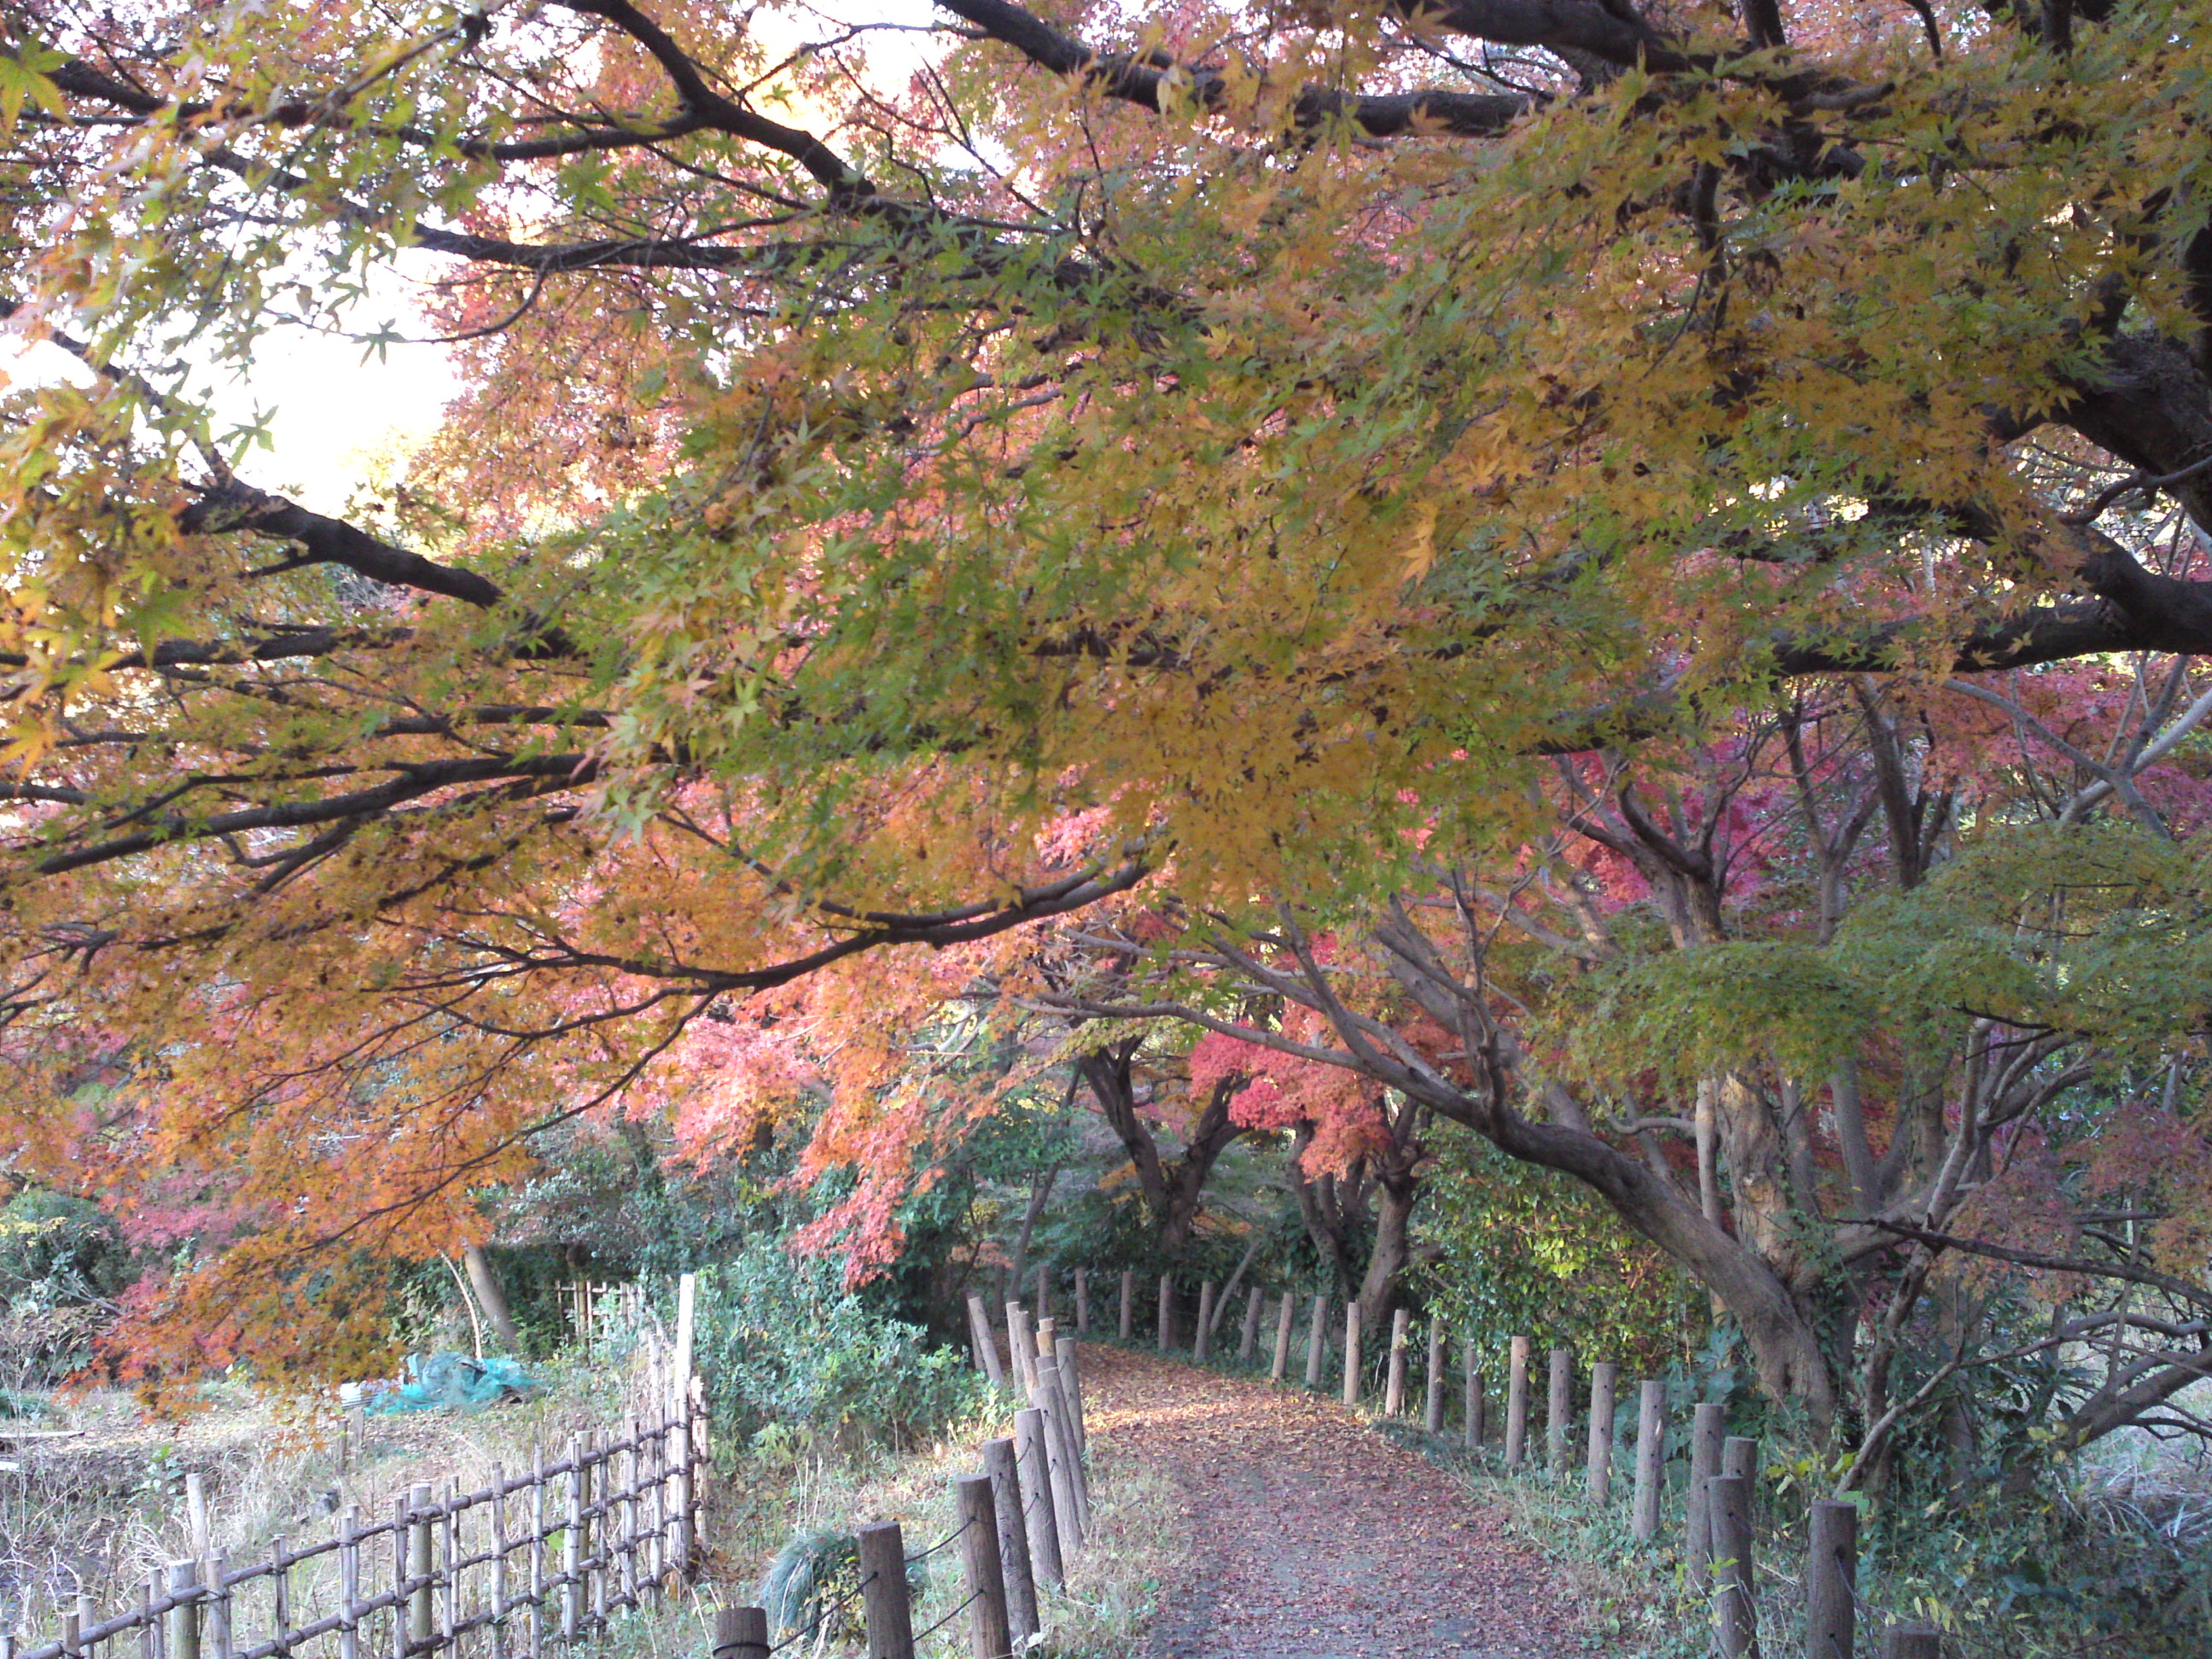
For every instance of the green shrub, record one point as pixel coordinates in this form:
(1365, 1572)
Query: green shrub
(63, 1264)
(784, 1343)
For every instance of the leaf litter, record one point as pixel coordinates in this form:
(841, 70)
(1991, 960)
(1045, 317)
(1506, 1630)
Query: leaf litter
(1312, 1536)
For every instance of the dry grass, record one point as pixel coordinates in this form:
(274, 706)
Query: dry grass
(1113, 1588)
(100, 1514)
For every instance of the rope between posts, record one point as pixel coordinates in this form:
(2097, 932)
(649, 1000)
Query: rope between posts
(974, 1596)
(944, 1543)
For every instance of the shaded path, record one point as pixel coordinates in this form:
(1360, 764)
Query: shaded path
(1313, 1537)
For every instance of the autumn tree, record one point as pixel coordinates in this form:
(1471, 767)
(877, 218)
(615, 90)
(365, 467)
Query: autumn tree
(917, 479)
(1846, 1013)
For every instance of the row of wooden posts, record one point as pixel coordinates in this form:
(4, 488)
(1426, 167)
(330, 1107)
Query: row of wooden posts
(1720, 1546)
(1022, 1518)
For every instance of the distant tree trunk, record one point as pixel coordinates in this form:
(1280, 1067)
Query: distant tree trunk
(1040, 1193)
(1333, 1208)
(1400, 1170)
(1173, 1191)
(1386, 1263)
(483, 1280)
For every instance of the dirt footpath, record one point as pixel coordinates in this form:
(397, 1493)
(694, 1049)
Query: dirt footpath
(1315, 1538)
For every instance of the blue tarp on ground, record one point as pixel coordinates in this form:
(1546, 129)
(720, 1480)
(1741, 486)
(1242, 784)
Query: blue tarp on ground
(452, 1383)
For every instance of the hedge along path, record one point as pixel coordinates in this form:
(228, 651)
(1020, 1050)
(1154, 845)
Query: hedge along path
(1312, 1536)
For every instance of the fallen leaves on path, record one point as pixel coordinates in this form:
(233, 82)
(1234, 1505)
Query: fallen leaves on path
(1314, 1537)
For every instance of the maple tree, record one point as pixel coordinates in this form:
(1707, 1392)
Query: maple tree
(1847, 1014)
(1230, 448)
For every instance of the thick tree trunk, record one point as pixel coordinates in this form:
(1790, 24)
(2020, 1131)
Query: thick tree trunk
(483, 1280)
(1386, 1264)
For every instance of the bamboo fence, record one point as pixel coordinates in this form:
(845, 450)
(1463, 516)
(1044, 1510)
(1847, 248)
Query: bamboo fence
(551, 1554)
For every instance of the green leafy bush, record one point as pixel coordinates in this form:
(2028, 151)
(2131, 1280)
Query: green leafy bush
(1513, 1250)
(62, 1263)
(784, 1343)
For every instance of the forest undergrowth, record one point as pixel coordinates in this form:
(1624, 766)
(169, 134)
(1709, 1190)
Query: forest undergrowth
(2112, 1561)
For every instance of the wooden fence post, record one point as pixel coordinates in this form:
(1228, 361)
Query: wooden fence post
(1282, 1339)
(183, 1632)
(1317, 1341)
(1006, 1504)
(572, 1543)
(1740, 1457)
(196, 1515)
(348, 1590)
(1650, 1451)
(1071, 1384)
(421, 1610)
(536, 1614)
(989, 1635)
(1560, 1407)
(740, 1633)
(1708, 1424)
(1516, 1402)
(1034, 1453)
(598, 1515)
(398, 1535)
(1604, 1377)
(1021, 1346)
(1472, 1406)
(497, 1630)
(1393, 1381)
(626, 1532)
(1831, 1579)
(1433, 1419)
(1044, 1292)
(1083, 1301)
(1167, 1312)
(219, 1602)
(1128, 1302)
(1202, 1344)
(1352, 1352)
(1066, 1512)
(1060, 1439)
(986, 1341)
(883, 1591)
(1736, 1610)
(1913, 1642)
(1250, 1343)
(280, 1596)
(687, 1482)
(687, 1329)
(975, 1340)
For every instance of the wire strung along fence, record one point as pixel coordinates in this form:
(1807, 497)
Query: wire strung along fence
(1022, 1519)
(1717, 1508)
(542, 1557)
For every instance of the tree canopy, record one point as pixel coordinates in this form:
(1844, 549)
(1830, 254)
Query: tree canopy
(920, 475)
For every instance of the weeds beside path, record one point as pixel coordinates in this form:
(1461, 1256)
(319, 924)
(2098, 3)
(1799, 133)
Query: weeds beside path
(1312, 1536)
